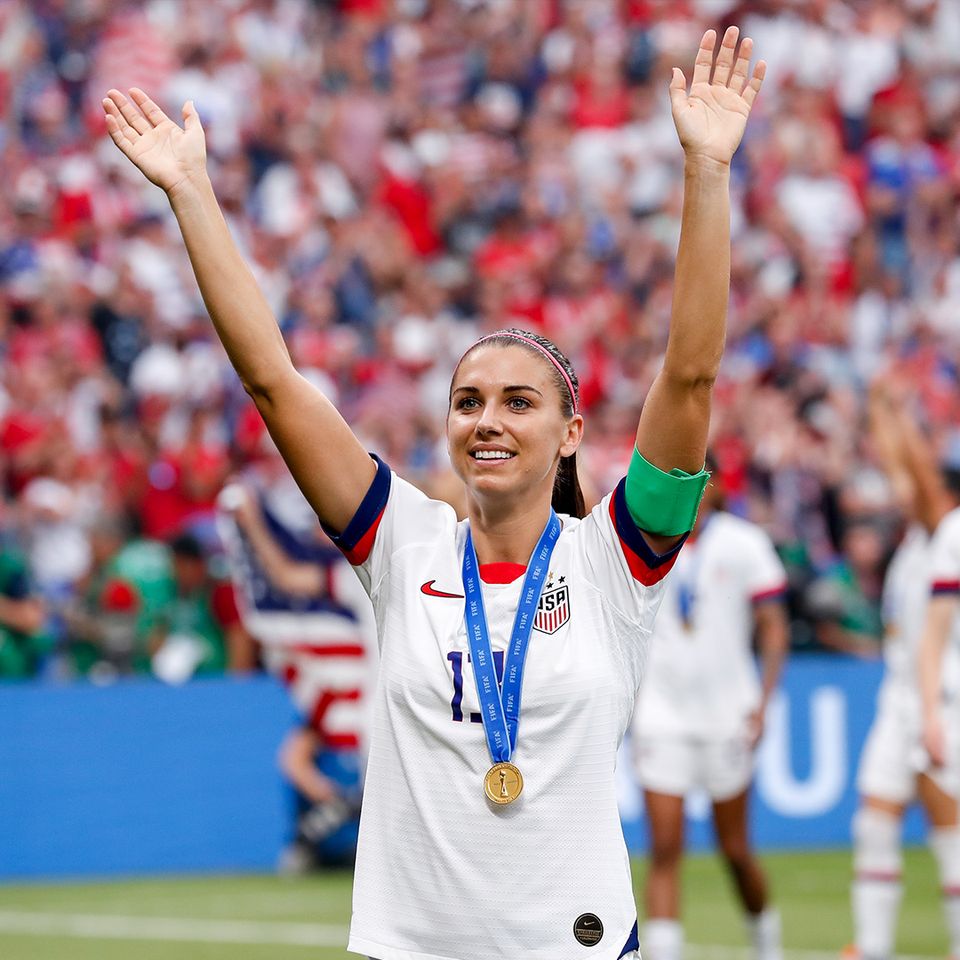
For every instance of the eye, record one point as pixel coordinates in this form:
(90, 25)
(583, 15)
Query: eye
(518, 403)
(467, 403)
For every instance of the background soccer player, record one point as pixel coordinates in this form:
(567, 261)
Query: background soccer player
(895, 771)
(701, 709)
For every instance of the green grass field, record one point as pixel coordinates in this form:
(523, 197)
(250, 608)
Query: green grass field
(268, 918)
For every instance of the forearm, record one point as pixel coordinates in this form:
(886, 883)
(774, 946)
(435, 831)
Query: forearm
(940, 613)
(702, 275)
(296, 763)
(241, 650)
(26, 616)
(931, 498)
(239, 312)
(773, 642)
(301, 579)
(675, 419)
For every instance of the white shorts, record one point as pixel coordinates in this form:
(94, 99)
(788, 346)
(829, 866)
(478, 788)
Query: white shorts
(893, 755)
(675, 765)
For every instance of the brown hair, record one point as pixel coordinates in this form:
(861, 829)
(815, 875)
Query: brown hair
(567, 495)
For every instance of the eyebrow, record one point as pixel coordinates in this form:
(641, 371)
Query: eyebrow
(513, 388)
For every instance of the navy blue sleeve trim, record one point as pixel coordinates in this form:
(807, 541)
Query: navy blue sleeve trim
(633, 941)
(369, 511)
(630, 534)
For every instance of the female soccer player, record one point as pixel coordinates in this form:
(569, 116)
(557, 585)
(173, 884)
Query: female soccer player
(482, 836)
(895, 768)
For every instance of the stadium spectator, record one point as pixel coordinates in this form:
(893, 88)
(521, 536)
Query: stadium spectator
(313, 621)
(111, 622)
(198, 632)
(23, 643)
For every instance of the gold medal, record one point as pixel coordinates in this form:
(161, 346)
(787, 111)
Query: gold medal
(503, 783)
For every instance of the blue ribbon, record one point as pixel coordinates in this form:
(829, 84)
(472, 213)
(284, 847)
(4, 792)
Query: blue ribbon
(500, 709)
(686, 575)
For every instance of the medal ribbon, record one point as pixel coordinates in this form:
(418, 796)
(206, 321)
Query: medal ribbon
(500, 709)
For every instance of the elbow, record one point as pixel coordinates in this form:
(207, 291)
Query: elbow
(257, 390)
(692, 378)
(264, 381)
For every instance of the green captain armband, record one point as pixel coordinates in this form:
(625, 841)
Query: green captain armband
(665, 504)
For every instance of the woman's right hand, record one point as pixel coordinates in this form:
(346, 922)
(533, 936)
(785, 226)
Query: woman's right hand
(165, 153)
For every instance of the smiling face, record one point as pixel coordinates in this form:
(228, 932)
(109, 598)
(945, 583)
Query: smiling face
(506, 429)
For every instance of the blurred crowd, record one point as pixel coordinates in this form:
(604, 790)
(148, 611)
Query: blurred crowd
(405, 175)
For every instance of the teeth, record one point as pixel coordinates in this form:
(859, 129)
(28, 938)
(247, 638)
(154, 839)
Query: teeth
(491, 455)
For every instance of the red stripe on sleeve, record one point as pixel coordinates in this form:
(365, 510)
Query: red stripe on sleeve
(639, 569)
(772, 593)
(945, 586)
(364, 545)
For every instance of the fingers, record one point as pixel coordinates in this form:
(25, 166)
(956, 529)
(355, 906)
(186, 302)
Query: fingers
(116, 134)
(150, 110)
(118, 126)
(725, 58)
(753, 87)
(191, 118)
(704, 61)
(678, 87)
(741, 69)
(130, 113)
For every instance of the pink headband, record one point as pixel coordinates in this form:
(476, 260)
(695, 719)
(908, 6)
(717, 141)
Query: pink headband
(533, 343)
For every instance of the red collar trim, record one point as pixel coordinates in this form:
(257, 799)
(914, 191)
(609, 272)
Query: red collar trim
(502, 572)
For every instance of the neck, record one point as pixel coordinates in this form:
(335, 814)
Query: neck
(506, 535)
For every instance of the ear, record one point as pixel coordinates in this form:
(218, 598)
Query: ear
(574, 434)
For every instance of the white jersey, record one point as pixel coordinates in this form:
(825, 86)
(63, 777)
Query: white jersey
(906, 589)
(943, 577)
(944, 574)
(893, 755)
(441, 872)
(701, 678)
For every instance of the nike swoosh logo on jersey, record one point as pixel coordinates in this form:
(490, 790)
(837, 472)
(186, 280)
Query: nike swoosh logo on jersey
(427, 588)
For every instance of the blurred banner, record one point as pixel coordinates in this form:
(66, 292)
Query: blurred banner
(139, 777)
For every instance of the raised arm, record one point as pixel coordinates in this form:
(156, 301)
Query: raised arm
(888, 441)
(326, 459)
(710, 121)
(299, 578)
(931, 498)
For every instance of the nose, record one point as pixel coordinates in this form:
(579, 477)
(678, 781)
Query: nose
(488, 422)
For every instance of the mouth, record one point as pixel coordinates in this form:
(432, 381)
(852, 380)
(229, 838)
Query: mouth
(491, 456)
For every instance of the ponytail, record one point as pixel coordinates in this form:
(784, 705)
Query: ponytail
(567, 495)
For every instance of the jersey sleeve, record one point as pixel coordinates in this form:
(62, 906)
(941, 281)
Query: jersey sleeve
(618, 558)
(765, 576)
(945, 556)
(392, 515)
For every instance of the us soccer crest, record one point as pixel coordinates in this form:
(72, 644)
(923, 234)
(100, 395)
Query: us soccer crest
(553, 611)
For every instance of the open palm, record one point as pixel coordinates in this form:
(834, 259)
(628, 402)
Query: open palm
(710, 119)
(162, 150)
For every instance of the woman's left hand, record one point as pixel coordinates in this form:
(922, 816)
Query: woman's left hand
(710, 119)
